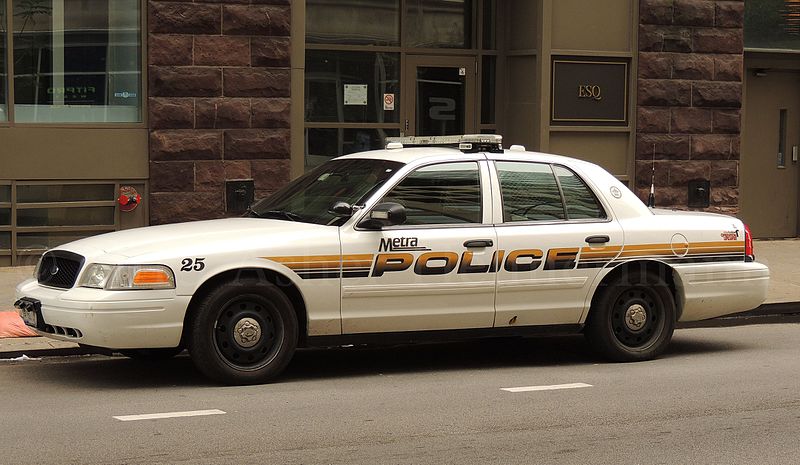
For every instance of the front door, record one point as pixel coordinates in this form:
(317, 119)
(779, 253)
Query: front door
(440, 96)
(434, 271)
(769, 167)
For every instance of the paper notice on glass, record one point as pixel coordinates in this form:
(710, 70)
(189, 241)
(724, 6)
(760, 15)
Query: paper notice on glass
(355, 94)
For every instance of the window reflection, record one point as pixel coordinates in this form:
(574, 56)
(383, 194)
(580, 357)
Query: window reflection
(578, 198)
(448, 193)
(324, 144)
(530, 192)
(77, 61)
(329, 75)
(438, 23)
(353, 22)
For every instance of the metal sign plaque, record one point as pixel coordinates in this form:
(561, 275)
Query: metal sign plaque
(589, 92)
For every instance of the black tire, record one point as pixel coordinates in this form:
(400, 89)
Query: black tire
(633, 318)
(243, 333)
(152, 355)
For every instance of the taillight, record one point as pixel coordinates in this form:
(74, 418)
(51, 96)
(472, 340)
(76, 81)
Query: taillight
(749, 255)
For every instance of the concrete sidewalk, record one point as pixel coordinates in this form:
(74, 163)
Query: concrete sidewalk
(782, 257)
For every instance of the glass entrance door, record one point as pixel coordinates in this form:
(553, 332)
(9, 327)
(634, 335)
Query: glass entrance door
(440, 93)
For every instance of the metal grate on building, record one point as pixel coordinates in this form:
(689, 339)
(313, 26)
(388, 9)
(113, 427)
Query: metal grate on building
(36, 216)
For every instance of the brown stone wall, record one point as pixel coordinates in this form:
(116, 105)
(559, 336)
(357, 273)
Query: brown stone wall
(218, 102)
(689, 99)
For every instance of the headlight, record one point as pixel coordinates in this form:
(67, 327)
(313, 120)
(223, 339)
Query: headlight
(96, 275)
(126, 277)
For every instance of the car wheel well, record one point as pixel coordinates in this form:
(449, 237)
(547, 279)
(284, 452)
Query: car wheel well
(281, 281)
(642, 266)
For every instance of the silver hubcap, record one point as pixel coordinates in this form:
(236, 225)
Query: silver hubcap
(635, 317)
(247, 332)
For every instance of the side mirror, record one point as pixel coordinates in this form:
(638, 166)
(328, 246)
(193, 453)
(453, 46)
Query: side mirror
(341, 209)
(383, 215)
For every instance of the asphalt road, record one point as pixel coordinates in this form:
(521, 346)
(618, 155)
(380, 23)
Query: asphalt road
(719, 396)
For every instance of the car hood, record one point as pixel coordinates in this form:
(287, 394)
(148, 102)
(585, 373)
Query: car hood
(180, 238)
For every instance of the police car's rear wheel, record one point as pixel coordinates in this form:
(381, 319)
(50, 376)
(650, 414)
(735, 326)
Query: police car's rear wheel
(243, 333)
(633, 318)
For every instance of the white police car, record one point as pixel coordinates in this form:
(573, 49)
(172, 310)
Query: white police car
(403, 244)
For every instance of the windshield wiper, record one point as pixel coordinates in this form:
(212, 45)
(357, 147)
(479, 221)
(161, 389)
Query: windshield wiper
(284, 214)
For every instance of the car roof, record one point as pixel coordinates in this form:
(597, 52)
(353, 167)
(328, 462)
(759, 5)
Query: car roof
(408, 155)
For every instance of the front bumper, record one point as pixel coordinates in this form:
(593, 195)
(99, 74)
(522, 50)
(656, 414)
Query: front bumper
(109, 319)
(712, 290)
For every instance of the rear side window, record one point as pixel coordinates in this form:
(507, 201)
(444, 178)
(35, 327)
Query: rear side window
(530, 192)
(580, 201)
(446, 193)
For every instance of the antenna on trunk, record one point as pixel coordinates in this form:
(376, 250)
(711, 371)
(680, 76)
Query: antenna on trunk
(651, 199)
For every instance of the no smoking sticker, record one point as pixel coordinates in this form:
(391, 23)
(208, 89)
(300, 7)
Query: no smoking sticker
(388, 102)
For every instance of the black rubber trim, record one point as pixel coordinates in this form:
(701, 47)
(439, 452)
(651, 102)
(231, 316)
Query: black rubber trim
(411, 337)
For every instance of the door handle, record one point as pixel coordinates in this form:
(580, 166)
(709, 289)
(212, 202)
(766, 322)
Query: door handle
(597, 239)
(479, 243)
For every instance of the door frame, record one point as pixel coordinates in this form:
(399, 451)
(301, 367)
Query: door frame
(408, 116)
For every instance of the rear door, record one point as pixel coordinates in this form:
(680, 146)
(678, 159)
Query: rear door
(555, 236)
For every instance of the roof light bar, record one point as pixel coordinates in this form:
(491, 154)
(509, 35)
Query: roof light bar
(468, 143)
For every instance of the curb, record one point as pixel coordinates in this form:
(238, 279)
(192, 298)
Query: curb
(53, 352)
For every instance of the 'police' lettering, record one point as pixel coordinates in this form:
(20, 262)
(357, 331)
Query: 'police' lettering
(561, 259)
(466, 265)
(424, 268)
(391, 262)
(513, 260)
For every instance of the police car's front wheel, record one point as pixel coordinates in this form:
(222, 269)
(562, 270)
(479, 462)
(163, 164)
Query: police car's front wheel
(243, 333)
(633, 317)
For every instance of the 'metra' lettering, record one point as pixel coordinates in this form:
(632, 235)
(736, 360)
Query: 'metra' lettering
(397, 243)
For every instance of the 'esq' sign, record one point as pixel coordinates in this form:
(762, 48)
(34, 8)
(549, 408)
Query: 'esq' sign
(601, 98)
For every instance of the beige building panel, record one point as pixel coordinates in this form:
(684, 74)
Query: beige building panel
(597, 25)
(31, 153)
(607, 149)
(521, 108)
(520, 129)
(522, 23)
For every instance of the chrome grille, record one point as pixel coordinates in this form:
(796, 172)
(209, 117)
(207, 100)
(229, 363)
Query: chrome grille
(60, 269)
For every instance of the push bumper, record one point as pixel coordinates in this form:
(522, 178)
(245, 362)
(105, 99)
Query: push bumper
(712, 290)
(108, 319)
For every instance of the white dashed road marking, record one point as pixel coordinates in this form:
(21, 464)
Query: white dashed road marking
(546, 388)
(158, 416)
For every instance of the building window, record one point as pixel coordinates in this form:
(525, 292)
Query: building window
(359, 80)
(353, 22)
(335, 81)
(772, 24)
(439, 23)
(75, 61)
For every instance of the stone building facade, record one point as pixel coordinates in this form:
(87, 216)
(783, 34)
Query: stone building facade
(690, 98)
(218, 106)
(175, 98)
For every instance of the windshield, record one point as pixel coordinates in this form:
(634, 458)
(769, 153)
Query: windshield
(310, 197)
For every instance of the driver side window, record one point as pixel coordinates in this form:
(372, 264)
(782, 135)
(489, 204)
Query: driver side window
(445, 193)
